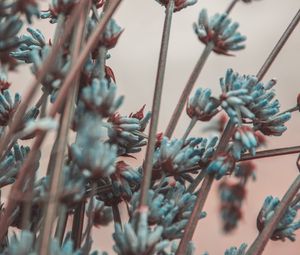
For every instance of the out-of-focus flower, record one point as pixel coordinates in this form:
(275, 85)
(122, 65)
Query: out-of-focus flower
(219, 30)
(8, 106)
(101, 98)
(125, 131)
(202, 106)
(9, 28)
(274, 125)
(287, 224)
(237, 251)
(178, 4)
(190, 250)
(169, 207)
(137, 238)
(102, 215)
(58, 7)
(222, 165)
(232, 197)
(244, 139)
(23, 243)
(27, 7)
(245, 170)
(111, 34)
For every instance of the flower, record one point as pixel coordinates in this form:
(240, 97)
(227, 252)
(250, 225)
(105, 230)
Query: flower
(237, 251)
(244, 139)
(111, 34)
(125, 131)
(8, 106)
(287, 224)
(101, 98)
(21, 244)
(170, 207)
(9, 28)
(219, 30)
(202, 106)
(102, 215)
(137, 238)
(232, 197)
(223, 164)
(178, 4)
(244, 170)
(27, 7)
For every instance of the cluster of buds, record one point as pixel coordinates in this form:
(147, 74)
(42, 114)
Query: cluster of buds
(137, 238)
(101, 98)
(202, 106)
(222, 165)
(8, 106)
(287, 225)
(237, 251)
(220, 31)
(170, 207)
(178, 4)
(244, 139)
(102, 215)
(232, 197)
(127, 132)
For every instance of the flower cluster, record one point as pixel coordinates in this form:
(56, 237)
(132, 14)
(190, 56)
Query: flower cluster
(202, 106)
(237, 251)
(178, 4)
(137, 238)
(126, 132)
(287, 225)
(102, 215)
(220, 31)
(231, 196)
(222, 165)
(7, 106)
(169, 207)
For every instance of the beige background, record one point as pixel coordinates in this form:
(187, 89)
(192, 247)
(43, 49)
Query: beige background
(134, 62)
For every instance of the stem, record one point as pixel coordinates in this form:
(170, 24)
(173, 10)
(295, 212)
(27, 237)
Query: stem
(230, 7)
(196, 182)
(62, 223)
(263, 237)
(271, 153)
(156, 103)
(57, 181)
(293, 109)
(189, 129)
(77, 226)
(116, 214)
(202, 194)
(18, 115)
(188, 88)
(278, 46)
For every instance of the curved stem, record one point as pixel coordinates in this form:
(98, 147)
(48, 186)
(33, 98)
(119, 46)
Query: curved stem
(189, 128)
(262, 239)
(156, 103)
(187, 89)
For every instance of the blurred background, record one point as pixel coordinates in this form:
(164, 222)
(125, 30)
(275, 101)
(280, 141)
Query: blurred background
(134, 61)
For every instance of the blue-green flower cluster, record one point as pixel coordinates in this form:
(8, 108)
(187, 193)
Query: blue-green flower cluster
(8, 106)
(137, 238)
(126, 132)
(169, 207)
(219, 30)
(243, 97)
(237, 251)
(202, 106)
(9, 167)
(287, 224)
(178, 4)
(243, 139)
(222, 165)
(102, 215)
(27, 7)
(101, 98)
(22, 244)
(231, 197)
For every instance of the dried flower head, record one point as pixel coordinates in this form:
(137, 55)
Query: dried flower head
(220, 31)
(178, 4)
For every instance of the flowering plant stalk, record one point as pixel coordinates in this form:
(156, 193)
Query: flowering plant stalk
(88, 175)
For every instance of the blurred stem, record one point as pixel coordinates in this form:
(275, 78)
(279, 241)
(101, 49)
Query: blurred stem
(203, 193)
(57, 178)
(77, 227)
(263, 237)
(187, 89)
(156, 103)
(62, 223)
(231, 6)
(116, 214)
(285, 36)
(189, 128)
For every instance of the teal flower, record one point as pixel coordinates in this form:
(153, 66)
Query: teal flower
(237, 251)
(219, 30)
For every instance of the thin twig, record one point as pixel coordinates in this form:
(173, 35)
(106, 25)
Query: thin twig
(187, 89)
(156, 103)
(262, 239)
(189, 128)
(231, 6)
(285, 36)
